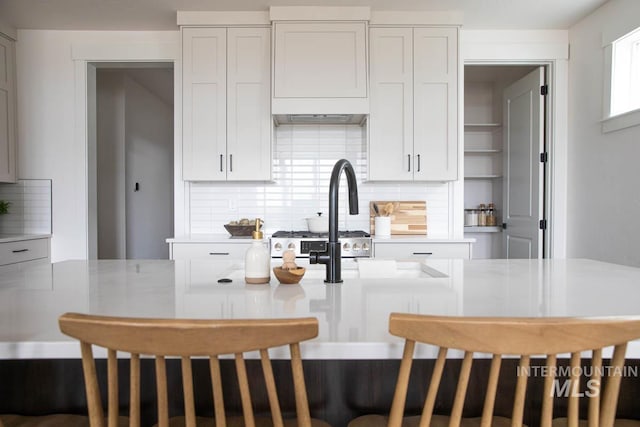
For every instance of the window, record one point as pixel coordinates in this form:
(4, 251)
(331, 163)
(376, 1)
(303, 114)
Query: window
(625, 74)
(622, 105)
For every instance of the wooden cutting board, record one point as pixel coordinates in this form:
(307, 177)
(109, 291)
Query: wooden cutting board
(408, 217)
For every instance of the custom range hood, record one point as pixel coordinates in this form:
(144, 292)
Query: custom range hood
(320, 72)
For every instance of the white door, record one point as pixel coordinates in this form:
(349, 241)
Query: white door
(249, 104)
(523, 109)
(391, 117)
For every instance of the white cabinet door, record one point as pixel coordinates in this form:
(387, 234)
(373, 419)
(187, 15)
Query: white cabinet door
(460, 250)
(7, 111)
(204, 103)
(414, 104)
(435, 124)
(391, 117)
(320, 60)
(214, 251)
(248, 104)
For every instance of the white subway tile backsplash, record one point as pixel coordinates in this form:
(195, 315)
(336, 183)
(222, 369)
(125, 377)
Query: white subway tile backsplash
(30, 209)
(304, 156)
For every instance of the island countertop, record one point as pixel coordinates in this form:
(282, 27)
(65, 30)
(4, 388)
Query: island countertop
(353, 315)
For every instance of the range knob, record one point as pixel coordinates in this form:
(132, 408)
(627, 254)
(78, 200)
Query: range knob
(346, 246)
(356, 247)
(291, 246)
(365, 246)
(277, 247)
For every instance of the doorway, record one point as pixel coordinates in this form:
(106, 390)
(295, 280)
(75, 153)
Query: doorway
(503, 142)
(131, 146)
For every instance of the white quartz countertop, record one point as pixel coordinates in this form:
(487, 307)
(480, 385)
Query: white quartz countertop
(226, 238)
(353, 315)
(5, 238)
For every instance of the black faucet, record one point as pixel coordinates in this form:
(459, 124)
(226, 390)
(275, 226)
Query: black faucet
(331, 257)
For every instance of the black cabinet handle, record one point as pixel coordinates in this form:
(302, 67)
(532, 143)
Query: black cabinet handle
(221, 165)
(16, 251)
(418, 163)
(230, 162)
(408, 162)
(137, 187)
(423, 253)
(219, 253)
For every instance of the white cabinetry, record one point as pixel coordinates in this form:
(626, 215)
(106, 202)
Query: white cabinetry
(8, 138)
(233, 250)
(422, 250)
(414, 104)
(226, 104)
(319, 65)
(24, 249)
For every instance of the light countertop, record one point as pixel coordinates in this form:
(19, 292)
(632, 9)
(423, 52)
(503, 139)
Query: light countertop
(225, 238)
(353, 315)
(5, 238)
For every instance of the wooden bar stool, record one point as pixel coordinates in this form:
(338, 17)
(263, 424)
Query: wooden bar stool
(186, 339)
(523, 337)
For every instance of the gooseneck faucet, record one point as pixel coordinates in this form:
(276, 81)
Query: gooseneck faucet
(331, 256)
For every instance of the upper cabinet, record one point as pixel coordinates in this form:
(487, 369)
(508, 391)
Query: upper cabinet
(414, 104)
(320, 67)
(227, 121)
(8, 138)
(320, 60)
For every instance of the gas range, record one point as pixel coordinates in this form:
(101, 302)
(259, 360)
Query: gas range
(355, 244)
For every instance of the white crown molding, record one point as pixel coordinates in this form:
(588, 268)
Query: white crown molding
(222, 18)
(319, 13)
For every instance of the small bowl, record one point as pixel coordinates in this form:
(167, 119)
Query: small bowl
(289, 277)
(240, 230)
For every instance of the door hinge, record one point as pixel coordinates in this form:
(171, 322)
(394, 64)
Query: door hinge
(544, 90)
(543, 224)
(544, 157)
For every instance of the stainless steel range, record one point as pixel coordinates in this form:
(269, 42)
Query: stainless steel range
(355, 244)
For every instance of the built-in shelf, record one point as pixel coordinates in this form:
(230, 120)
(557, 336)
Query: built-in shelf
(482, 229)
(482, 150)
(482, 176)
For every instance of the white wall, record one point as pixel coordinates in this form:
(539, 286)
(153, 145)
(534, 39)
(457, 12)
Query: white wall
(110, 148)
(603, 173)
(149, 162)
(48, 146)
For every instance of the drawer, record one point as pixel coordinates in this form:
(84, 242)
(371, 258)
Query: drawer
(23, 250)
(233, 250)
(422, 250)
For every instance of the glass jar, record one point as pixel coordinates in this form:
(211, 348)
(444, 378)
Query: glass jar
(492, 220)
(482, 215)
(470, 217)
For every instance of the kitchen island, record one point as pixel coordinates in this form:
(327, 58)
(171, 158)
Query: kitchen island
(353, 315)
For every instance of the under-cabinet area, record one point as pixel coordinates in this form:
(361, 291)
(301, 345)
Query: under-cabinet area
(485, 177)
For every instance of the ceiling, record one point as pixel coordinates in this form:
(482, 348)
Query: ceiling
(161, 14)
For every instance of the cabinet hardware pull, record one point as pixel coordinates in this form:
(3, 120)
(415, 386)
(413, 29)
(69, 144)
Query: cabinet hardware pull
(423, 253)
(418, 163)
(20, 250)
(230, 162)
(220, 162)
(218, 253)
(408, 162)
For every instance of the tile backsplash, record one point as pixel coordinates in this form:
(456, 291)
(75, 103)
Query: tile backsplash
(303, 159)
(30, 209)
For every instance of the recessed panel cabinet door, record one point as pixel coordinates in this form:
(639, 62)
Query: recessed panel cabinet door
(320, 60)
(391, 116)
(248, 104)
(204, 104)
(7, 111)
(435, 114)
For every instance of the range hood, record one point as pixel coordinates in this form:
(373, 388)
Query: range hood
(324, 119)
